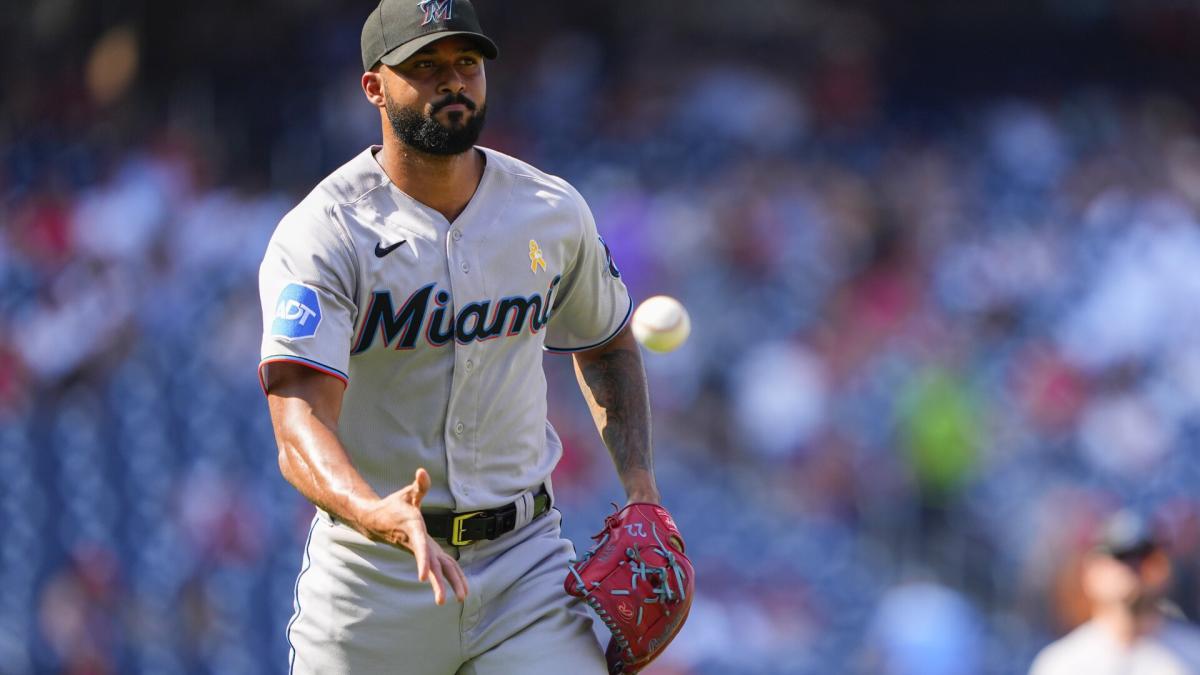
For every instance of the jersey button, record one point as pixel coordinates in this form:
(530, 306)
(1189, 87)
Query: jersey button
(458, 428)
(470, 365)
(466, 267)
(456, 235)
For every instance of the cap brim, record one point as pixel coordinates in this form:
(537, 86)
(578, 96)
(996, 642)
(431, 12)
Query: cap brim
(403, 52)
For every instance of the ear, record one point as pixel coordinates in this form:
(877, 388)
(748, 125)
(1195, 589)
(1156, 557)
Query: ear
(372, 84)
(1156, 569)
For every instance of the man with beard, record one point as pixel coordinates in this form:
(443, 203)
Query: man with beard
(407, 302)
(1133, 630)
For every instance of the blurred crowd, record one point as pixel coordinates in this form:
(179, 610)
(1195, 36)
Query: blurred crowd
(932, 346)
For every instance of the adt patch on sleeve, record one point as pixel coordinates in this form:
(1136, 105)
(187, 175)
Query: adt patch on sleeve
(297, 313)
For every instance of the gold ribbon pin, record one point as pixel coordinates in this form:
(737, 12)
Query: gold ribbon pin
(535, 257)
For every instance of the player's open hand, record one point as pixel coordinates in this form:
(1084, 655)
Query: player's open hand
(396, 519)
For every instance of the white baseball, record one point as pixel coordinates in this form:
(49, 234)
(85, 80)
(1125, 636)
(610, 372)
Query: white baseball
(661, 323)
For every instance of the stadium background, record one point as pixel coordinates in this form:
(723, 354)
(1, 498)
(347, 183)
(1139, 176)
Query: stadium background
(942, 261)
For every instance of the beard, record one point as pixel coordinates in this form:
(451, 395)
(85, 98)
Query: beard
(423, 132)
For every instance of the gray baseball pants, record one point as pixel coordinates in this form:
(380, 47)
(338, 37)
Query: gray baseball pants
(360, 609)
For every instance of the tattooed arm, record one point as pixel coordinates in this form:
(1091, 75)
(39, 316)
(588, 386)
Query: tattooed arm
(614, 383)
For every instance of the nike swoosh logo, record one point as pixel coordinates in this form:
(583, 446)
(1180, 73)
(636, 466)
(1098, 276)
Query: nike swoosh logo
(380, 251)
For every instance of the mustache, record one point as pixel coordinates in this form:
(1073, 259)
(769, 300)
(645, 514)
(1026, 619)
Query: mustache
(459, 98)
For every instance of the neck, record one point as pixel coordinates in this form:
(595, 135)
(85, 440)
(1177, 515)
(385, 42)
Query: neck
(444, 183)
(1125, 624)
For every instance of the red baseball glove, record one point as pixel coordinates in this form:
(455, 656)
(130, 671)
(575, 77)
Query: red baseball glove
(639, 581)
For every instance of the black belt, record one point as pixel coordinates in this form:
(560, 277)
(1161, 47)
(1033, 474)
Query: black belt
(461, 529)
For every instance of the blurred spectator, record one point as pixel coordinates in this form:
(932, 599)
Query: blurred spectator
(81, 611)
(924, 628)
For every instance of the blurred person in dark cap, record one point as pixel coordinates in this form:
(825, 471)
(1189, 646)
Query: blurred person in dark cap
(1133, 630)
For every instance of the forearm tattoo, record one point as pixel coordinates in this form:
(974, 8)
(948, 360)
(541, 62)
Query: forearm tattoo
(616, 388)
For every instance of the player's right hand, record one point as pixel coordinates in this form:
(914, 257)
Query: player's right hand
(396, 519)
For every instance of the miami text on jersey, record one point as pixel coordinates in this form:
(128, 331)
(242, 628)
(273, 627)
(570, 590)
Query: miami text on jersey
(482, 320)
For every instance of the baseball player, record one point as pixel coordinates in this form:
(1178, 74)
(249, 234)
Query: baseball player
(1133, 629)
(407, 302)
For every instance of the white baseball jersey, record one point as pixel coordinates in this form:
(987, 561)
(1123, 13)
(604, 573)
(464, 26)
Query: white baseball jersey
(438, 328)
(1172, 650)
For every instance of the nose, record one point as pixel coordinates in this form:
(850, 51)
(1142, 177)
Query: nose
(452, 82)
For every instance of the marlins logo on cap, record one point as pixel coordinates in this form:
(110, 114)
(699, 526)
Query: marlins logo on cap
(397, 29)
(436, 10)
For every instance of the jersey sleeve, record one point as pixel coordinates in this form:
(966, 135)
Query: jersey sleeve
(306, 286)
(593, 304)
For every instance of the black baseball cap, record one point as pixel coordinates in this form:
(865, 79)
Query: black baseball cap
(1127, 534)
(397, 29)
